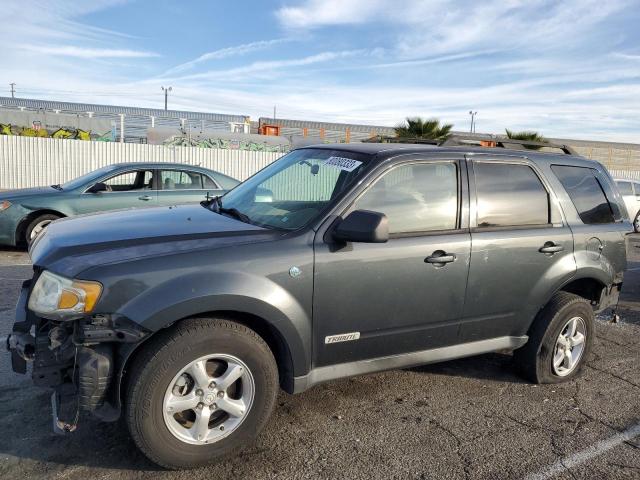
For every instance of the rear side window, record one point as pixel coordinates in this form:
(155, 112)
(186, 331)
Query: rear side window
(509, 195)
(625, 188)
(586, 193)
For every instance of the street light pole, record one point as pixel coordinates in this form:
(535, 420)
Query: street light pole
(473, 116)
(166, 94)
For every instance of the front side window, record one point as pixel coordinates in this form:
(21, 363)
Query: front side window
(297, 188)
(509, 195)
(415, 198)
(586, 193)
(134, 180)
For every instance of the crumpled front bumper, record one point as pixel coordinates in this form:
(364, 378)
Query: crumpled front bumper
(76, 359)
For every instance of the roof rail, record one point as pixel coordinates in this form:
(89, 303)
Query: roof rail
(476, 140)
(386, 139)
(504, 142)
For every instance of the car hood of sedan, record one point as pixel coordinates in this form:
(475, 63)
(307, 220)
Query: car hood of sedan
(24, 193)
(71, 245)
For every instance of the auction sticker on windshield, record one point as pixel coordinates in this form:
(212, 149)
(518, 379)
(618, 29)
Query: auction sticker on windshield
(346, 164)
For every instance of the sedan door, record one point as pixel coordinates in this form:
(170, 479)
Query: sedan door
(126, 189)
(178, 186)
(396, 297)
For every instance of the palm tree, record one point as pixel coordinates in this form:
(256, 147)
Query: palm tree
(416, 127)
(529, 136)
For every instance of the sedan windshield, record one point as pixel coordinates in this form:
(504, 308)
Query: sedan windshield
(87, 177)
(296, 189)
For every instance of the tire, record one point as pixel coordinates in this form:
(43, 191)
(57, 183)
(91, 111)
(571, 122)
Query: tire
(155, 380)
(535, 360)
(38, 224)
(636, 223)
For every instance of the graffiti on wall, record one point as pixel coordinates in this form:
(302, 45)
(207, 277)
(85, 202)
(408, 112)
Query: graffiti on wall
(225, 144)
(37, 130)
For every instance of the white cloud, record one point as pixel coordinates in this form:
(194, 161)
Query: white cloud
(82, 52)
(237, 50)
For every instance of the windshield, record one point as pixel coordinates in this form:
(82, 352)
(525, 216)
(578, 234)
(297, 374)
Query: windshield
(296, 189)
(87, 177)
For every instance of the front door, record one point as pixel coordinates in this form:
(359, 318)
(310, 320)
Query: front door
(132, 188)
(396, 297)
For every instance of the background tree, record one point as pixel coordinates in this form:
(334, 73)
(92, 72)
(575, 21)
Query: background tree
(527, 136)
(431, 129)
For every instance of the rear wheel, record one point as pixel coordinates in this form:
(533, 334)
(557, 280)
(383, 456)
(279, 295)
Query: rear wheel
(199, 392)
(560, 340)
(636, 223)
(37, 225)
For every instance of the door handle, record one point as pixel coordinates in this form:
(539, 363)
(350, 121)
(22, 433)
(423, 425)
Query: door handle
(146, 198)
(550, 247)
(440, 257)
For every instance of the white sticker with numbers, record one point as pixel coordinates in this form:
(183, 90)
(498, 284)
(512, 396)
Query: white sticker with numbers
(346, 164)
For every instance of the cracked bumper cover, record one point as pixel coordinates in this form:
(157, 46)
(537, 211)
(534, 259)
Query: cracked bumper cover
(77, 359)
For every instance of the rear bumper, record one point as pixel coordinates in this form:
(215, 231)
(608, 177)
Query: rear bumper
(609, 297)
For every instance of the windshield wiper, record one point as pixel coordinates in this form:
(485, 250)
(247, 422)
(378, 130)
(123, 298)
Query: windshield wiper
(57, 187)
(216, 204)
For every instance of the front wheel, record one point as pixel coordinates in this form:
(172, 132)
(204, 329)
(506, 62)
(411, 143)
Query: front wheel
(560, 340)
(636, 223)
(37, 225)
(200, 391)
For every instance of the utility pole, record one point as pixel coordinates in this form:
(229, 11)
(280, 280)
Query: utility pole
(166, 94)
(473, 116)
(13, 90)
(274, 114)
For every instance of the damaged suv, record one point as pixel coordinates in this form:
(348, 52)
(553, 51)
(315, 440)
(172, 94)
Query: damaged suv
(334, 261)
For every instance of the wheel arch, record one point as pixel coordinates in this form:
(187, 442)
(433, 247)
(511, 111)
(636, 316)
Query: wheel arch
(26, 220)
(267, 331)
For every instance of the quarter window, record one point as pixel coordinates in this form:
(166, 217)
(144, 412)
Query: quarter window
(416, 198)
(586, 193)
(509, 195)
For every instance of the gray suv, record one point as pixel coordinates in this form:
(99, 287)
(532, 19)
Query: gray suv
(336, 260)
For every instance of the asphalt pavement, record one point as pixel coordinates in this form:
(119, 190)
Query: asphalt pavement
(467, 419)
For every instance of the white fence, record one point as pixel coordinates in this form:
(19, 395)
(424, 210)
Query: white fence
(29, 162)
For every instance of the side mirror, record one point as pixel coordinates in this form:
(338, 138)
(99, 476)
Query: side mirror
(98, 187)
(363, 226)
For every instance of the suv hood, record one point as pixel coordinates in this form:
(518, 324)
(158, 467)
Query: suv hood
(71, 245)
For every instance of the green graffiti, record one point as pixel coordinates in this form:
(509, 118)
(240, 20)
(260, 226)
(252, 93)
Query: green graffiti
(225, 144)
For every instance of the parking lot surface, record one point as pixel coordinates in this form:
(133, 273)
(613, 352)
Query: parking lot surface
(472, 418)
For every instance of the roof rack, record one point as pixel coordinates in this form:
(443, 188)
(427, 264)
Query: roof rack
(504, 142)
(476, 140)
(386, 139)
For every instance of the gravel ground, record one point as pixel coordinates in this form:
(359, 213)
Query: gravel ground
(471, 418)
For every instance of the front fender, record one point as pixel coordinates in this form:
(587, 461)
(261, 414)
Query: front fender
(197, 293)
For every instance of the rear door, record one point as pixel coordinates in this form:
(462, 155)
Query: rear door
(185, 186)
(521, 247)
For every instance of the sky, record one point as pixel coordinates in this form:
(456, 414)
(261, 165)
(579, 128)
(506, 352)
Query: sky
(563, 68)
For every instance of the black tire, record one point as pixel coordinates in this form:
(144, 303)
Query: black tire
(636, 223)
(535, 360)
(47, 217)
(164, 357)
